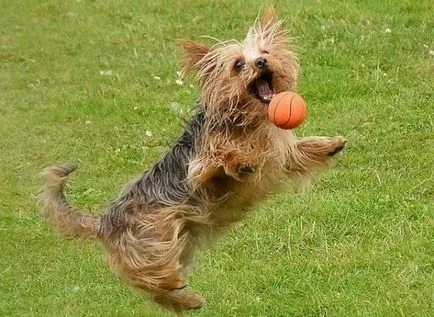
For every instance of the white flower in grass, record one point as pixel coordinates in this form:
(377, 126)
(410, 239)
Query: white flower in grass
(156, 77)
(148, 133)
(106, 72)
(431, 53)
(179, 82)
(387, 30)
(175, 106)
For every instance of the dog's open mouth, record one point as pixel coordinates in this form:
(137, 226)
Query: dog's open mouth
(262, 88)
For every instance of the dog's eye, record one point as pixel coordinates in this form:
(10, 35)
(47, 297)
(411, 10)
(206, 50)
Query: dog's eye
(239, 64)
(265, 52)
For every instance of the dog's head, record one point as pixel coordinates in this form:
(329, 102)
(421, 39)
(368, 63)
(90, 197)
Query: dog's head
(243, 76)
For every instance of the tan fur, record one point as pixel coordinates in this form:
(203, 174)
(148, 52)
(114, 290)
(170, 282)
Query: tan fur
(68, 220)
(239, 157)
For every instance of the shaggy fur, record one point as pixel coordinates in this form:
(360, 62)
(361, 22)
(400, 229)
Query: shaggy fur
(228, 158)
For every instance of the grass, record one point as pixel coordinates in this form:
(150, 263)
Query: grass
(361, 243)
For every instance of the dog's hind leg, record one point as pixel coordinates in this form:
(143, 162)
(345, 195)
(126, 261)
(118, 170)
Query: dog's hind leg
(167, 285)
(178, 300)
(171, 292)
(153, 255)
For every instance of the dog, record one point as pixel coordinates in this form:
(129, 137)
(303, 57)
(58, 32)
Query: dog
(228, 158)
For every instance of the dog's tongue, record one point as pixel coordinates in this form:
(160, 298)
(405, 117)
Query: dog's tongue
(264, 90)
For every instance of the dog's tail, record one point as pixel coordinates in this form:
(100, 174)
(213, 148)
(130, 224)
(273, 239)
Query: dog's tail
(67, 219)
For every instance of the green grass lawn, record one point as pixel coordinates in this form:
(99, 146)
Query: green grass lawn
(95, 82)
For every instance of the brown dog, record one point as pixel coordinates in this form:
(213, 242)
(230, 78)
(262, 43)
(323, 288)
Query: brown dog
(228, 158)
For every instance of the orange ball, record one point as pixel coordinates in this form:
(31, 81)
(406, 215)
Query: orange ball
(287, 110)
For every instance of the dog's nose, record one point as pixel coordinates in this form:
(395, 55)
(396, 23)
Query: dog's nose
(261, 63)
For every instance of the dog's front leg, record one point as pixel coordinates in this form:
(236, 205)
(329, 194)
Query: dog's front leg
(312, 153)
(223, 164)
(237, 165)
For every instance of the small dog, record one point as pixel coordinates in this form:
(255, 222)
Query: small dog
(229, 157)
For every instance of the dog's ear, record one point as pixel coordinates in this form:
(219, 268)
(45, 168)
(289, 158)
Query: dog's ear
(269, 28)
(193, 53)
(269, 17)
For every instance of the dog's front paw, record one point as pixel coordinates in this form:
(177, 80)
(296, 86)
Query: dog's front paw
(339, 144)
(245, 168)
